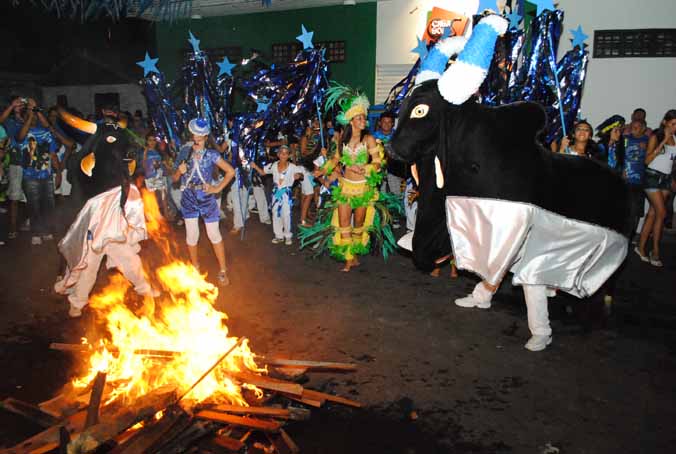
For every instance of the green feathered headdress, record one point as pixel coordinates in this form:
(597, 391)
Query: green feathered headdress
(350, 101)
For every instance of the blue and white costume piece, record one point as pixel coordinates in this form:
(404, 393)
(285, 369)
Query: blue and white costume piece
(195, 202)
(282, 200)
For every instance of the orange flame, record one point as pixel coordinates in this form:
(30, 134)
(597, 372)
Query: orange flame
(184, 331)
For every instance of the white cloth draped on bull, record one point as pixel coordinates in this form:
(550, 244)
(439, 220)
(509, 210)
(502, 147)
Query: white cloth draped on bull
(492, 237)
(101, 229)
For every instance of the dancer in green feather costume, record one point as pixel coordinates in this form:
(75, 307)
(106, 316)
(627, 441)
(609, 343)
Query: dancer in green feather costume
(357, 212)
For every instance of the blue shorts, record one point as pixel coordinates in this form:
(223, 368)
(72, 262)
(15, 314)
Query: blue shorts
(197, 203)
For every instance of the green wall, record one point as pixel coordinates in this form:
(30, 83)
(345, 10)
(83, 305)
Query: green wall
(356, 25)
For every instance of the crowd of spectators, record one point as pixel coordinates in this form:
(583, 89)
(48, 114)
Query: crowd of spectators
(34, 151)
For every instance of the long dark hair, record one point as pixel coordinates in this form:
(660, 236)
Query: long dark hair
(659, 133)
(347, 134)
(591, 149)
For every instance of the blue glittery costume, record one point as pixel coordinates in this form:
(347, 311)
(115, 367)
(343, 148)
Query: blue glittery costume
(194, 201)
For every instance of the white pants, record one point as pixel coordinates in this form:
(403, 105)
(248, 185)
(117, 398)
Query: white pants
(122, 256)
(411, 209)
(394, 183)
(240, 213)
(536, 306)
(65, 188)
(176, 195)
(281, 217)
(261, 203)
(536, 309)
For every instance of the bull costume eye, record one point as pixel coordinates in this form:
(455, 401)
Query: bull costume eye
(420, 111)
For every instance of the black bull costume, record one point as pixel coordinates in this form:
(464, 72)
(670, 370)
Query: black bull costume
(495, 198)
(110, 222)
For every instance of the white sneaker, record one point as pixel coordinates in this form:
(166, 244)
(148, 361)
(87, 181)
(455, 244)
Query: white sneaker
(74, 312)
(277, 240)
(470, 301)
(267, 221)
(288, 241)
(48, 237)
(538, 343)
(36, 240)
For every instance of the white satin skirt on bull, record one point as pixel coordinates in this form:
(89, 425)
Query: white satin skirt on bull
(492, 237)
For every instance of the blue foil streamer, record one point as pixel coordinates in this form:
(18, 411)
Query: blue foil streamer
(165, 120)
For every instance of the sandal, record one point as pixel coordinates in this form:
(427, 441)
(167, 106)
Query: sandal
(644, 258)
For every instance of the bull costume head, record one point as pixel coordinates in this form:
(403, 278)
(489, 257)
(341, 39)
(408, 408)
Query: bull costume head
(462, 148)
(105, 160)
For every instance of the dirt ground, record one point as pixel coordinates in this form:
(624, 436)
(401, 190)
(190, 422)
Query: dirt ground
(434, 378)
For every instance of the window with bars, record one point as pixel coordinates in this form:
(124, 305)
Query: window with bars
(335, 51)
(286, 52)
(657, 42)
(234, 53)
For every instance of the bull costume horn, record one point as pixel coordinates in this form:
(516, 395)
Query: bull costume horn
(77, 122)
(435, 62)
(460, 81)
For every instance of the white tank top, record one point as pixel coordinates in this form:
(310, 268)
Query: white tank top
(664, 161)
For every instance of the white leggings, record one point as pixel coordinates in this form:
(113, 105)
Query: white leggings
(192, 231)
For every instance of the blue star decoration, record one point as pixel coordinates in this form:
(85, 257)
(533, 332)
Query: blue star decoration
(194, 42)
(488, 4)
(543, 5)
(579, 37)
(514, 19)
(420, 49)
(149, 65)
(305, 38)
(262, 106)
(225, 67)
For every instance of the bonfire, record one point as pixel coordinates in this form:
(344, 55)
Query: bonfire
(166, 373)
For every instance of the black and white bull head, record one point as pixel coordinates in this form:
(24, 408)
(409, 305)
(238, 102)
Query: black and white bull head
(436, 118)
(105, 160)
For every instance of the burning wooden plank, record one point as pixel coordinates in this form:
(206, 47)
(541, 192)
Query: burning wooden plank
(293, 447)
(317, 399)
(113, 424)
(48, 438)
(87, 348)
(231, 444)
(316, 395)
(95, 400)
(313, 365)
(306, 401)
(269, 383)
(281, 413)
(241, 421)
(149, 435)
(28, 411)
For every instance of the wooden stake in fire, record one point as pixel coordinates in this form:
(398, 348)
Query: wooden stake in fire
(95, 400)
(205, 374)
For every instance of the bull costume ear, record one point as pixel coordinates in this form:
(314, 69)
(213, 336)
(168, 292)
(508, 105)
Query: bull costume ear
(87, 164)
(462, 79)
